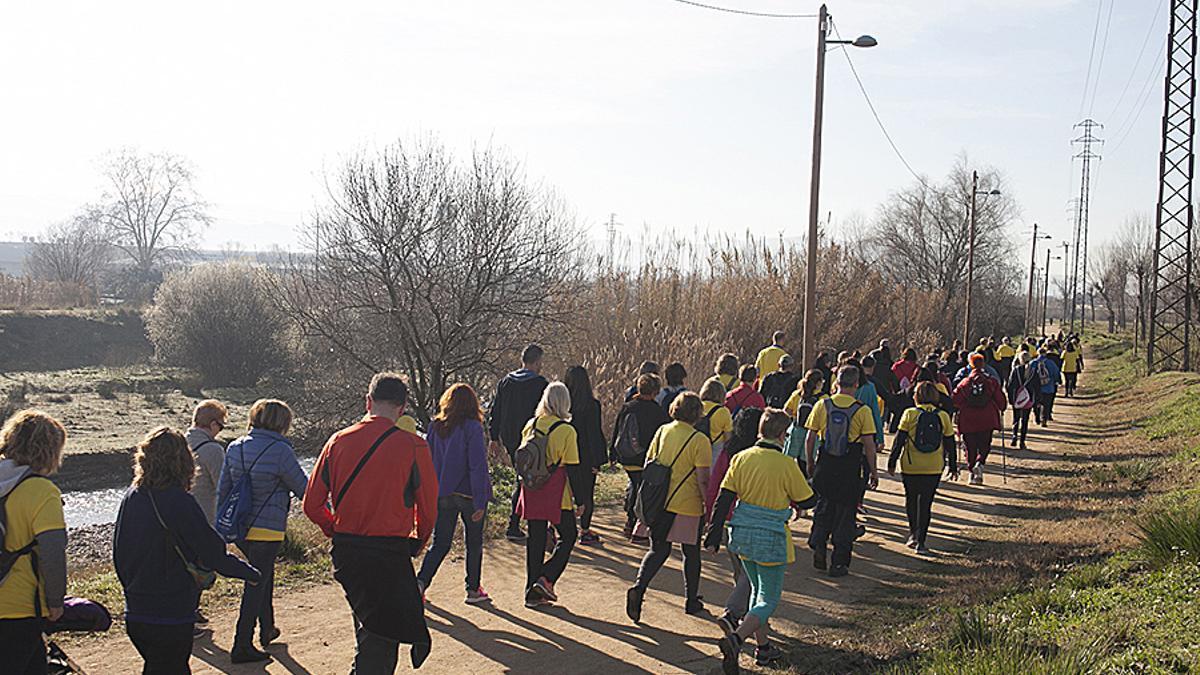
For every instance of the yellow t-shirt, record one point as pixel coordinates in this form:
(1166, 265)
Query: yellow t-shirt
(862, 424)
(764, 476)
(34, 507)
(407, 423)
(669, 441)
(561, 448)
(793, 404)
(1071, 362)
(720, 425)
(768, 361)
(727, 381)
(913, 461)
(1005, 351)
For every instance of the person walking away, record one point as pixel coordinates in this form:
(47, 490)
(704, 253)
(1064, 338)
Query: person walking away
(799, 405)
(688, 455)
(456, 444)
(868, 395)
(1048, 377)
(904, 371)
(674, 375)
(768, 488)
(745, 395)
(768, 359)
(745, 435)
(716, 423)
(1005, 355)
(593, 447)
(373, 492)
(822, 363)
(847, 434)
(779, 385)
(208, 420)
(886, 382)
(980, 403)
(923, 447)
(266, 457)
(550, 503)
(647, 368)
(637, 422)
(1022, 395)
(1072, 366)
(31, 447)
(163, 549)
(517, 395)
(727, 370)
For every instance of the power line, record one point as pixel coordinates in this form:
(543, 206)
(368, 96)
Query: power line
(1150, 31)
(745, 12)
(1135, 113)
(1103, 48)
(1087, 79)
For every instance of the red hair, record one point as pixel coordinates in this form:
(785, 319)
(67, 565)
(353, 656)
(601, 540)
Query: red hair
(457, 405)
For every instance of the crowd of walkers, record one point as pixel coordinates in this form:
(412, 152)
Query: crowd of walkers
(760, 445)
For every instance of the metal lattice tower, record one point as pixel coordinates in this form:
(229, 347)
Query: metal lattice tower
(1079, 265)
(1171, 301)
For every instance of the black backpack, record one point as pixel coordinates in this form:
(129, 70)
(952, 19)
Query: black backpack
(9, 558)
(627, 446)
(977, 393)
(704, 426)
(927, 434)
(652, 497)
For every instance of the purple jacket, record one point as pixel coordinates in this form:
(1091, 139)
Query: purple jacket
(461, 462)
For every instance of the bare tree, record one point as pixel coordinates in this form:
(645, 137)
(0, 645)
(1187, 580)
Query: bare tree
(436, 268)
(1112, 266)
(151, 206)
(1136, 243)
(75, 251)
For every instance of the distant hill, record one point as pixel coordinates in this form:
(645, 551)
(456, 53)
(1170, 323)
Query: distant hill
(12, 257)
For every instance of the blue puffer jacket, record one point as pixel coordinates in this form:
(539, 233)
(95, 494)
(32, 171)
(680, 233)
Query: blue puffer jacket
(273, 479)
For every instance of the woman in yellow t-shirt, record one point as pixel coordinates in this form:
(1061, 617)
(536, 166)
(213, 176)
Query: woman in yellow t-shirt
(550, 504)
(727, 370)
(1072, 366)
(31, 446)
(923, 445)
(689, 455)
(716, 421)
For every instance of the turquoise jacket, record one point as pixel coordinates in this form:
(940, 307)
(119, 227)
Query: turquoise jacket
(759, 534)
(869, 396)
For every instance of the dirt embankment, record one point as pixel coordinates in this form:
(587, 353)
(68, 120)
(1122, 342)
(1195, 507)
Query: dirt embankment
(63, 340)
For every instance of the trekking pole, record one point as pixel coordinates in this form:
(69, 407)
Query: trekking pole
(1003, 456)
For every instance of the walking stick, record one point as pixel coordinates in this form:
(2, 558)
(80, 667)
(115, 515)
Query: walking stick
(1003, 455)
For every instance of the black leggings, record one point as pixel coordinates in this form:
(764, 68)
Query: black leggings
(21, 646)
(589, 480)
(165, 649)
(919, 492)
(536, 565)
(1020, 425)
(631, 490)
(660, 550)
(1072, 380)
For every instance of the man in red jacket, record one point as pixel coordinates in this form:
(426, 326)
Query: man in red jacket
(376, 528)
(979, 400)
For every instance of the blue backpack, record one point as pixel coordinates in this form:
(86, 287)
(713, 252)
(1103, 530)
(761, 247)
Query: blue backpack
(233, 513)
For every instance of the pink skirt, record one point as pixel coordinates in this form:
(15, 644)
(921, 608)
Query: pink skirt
(685, 530)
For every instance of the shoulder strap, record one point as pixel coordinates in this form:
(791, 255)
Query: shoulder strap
(686, 476)
(363, 462)
(711, 411)
(172, 539)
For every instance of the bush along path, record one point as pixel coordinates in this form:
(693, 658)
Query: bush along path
(825, 625)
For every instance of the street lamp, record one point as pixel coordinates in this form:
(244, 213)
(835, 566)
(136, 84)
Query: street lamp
(975, 191)
(810, 280)
(1046, 290)
(1030, 317)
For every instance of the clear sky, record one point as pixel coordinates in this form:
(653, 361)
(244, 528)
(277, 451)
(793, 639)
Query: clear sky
(669, 116)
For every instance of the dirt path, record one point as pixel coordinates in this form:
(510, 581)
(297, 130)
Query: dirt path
(588, 632)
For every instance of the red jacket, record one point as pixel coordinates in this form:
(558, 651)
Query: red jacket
(374, 504)
(905, 370)
(744, 396)
(983, 418)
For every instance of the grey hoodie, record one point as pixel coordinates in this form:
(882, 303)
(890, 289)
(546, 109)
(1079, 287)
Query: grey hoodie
(210, 455)
(51, 545)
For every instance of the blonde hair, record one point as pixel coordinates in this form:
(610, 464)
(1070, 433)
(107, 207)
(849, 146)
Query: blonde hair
(713, 391)
(208, 412)
(163, 461)
(556, 401)
(34, 439)
(270, 414)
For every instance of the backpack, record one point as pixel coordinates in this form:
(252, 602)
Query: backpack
(9, 558)
(977, 393)
(627, 446)
(794, 445)
(529, 461)
(704, 426)
(927, 434)
(233, 513)
(837, 428)
(1043, 373)
(1022, 400)
(652, 497)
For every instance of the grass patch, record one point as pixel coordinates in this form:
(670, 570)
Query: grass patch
(1171, 535)
(1181, 417)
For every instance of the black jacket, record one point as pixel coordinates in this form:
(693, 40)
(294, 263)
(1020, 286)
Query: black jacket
(650, 416)
(517, 397)
(593, 448)
(1017, 379)
(777, 387)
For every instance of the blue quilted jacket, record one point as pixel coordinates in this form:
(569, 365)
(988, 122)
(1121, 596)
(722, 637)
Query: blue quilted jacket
(274, 478)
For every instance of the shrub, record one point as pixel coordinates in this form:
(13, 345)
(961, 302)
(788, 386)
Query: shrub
(106, 390)
(1170, 535)
(220, 320)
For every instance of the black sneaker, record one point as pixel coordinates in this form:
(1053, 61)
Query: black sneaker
(201, 620)
(694, 607)
(768, 654)
(731, 647)
(633, 604)
(860, 531)
(819, 561)
(514, 534)
(839, 571)
(728, 623)
(269, 637)
(248, 655)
